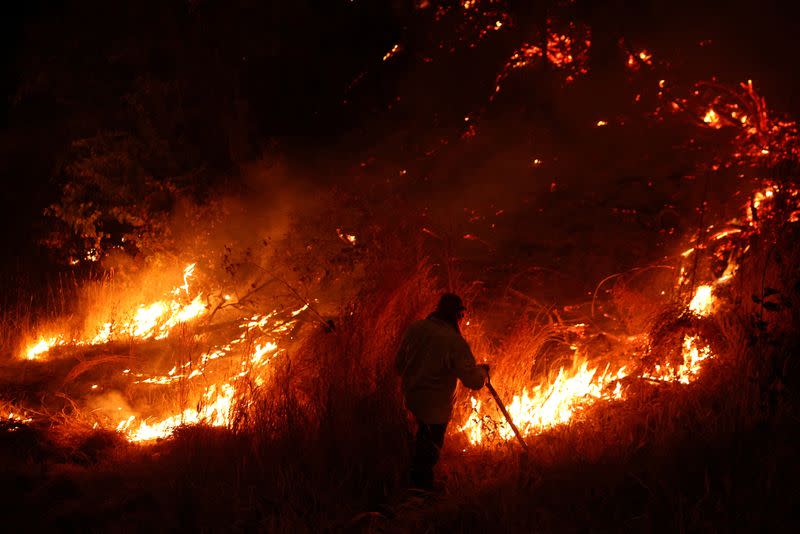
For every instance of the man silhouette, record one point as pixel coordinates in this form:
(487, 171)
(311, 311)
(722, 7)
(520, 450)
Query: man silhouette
(432, 357)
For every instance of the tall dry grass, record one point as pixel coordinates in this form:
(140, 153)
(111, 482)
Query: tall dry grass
(327, 438)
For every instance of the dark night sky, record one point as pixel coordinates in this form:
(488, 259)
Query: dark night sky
(316, 50)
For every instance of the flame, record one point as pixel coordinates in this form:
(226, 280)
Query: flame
(146, 319)
(215, 411)
(693, 354)
(188, 272)
(42, 346)
(154, 320)
(573, 389)
(558, 400)
(217, 399)
(702, 301)
(548, 404)
(10, 413)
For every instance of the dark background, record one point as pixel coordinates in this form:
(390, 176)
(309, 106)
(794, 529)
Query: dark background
(306, 78)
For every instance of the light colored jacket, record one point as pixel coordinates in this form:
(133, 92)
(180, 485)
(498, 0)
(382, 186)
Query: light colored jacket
(431, 357)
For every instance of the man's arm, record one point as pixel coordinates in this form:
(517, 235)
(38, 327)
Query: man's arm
(471, 375)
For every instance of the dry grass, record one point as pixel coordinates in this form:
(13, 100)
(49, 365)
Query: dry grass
(327, 439)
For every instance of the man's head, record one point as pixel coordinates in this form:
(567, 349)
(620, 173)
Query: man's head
(451, 306)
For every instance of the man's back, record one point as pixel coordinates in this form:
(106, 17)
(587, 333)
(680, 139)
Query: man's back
(431, 357)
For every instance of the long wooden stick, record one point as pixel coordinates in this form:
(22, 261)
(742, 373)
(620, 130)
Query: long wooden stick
(505, 413)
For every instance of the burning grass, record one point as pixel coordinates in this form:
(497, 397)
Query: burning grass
(187, 402)
(324, 441)
(275, 420)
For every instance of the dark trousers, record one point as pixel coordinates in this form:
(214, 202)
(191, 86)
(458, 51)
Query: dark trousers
(427, 446)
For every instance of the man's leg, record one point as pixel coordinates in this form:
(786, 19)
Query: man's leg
(428, 444)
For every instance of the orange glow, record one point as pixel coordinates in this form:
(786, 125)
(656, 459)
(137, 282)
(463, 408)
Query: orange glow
(549, 403)
(566, 50)
(634, 60)
(214, 381)
(392, 51)
(558, 399)
(214, 410)
(146, 321)
(347, 238)
(42, 346)
(712, 119)
(217, 399)
(10, 413)
(693, 354)
(702, 301)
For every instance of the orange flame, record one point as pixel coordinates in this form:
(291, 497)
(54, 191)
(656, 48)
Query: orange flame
(215, 411)
(548, 404)
(702, 301)
(154, 320)
(712, 119)
(42, 346)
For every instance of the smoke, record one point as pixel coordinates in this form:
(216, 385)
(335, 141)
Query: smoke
(111, 403)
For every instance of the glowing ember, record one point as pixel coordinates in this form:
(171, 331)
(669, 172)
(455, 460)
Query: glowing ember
(344, 236)
(634, 60)
(567, 51)
(12, 414)
(391, 52)
(759, 199)
(712, 119)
